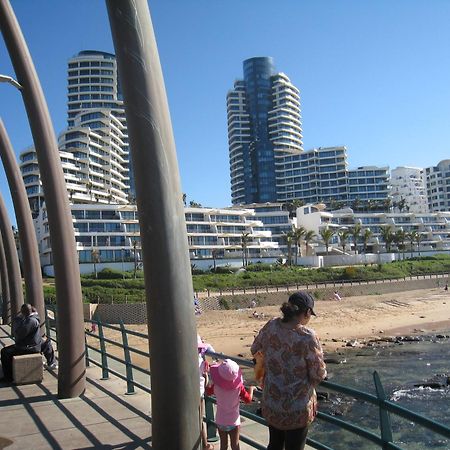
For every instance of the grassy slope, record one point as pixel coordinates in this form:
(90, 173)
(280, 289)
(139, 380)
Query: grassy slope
(121, 289)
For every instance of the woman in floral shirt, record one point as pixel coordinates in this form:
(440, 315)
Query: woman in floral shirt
(294, 366)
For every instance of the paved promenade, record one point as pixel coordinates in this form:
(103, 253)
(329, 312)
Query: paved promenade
(32, 417)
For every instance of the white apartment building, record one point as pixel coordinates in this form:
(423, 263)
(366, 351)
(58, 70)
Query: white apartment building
(113, 231)
(408, 187)
(438, 186)
(433, 228)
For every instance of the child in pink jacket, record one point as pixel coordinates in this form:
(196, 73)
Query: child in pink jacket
(227, 385)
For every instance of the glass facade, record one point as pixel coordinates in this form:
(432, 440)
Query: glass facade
(263, 121)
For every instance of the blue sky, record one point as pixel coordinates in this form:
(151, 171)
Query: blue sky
(374, 76)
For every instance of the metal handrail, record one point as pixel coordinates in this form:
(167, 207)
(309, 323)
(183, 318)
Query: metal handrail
(385, 407)
(316, 284)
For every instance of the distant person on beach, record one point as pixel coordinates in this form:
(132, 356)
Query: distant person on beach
(446, 287)
(293, 367)
(336, 296)
(197, 307)
(227, 384)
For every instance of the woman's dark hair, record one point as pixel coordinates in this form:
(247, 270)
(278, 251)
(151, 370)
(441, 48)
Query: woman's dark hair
(290, 311)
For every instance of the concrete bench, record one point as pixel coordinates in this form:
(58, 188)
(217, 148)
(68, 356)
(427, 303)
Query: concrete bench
(28, 369)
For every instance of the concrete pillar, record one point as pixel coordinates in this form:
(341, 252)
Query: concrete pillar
(6, 303)
(167, 270)
(72, 368)
(27, 235)
(12, 260)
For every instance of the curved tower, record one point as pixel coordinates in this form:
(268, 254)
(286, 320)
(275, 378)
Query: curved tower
(264, 123)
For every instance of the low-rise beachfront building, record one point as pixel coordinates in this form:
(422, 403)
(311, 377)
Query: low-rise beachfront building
(109, 235)
(276, 219)
(423, 232)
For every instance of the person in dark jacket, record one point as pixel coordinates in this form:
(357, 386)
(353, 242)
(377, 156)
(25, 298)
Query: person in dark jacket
(26, 331)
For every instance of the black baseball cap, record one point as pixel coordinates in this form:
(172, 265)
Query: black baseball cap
(303, 300)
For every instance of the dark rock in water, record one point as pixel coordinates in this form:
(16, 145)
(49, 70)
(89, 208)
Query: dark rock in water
(441, 336)
(334, 361)
(352, 343)
(409, 339)
(430, 385)
(439, 381)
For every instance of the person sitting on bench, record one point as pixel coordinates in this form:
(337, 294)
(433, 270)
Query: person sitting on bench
(25, 329)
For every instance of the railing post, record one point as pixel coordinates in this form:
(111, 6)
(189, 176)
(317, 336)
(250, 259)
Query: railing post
(47, 323)
(101, 336)
(126, 353)
(211, 429)
(385, 420)
(86, 351)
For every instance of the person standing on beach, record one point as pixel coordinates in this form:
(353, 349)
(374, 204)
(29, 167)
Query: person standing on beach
(293, 367)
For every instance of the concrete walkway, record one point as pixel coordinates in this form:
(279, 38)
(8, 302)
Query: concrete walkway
(104, 417)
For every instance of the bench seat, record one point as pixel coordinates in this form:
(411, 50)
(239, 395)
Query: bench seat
(28, 369)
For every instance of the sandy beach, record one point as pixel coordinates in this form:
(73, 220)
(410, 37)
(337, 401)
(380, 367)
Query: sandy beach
(361, 318)
(354, 318)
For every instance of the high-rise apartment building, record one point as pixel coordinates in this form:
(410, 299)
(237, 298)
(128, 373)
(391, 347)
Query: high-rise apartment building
(94, 86)
(263, 125)
(408, 189)
(438, 186)
(267, 161)
(94, 147)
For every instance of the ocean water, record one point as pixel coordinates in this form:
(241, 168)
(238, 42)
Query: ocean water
(400, 367)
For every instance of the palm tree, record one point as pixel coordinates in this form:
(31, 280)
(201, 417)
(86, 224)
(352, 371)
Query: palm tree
(214, 253)
(245, 239)
(134, 244)
(326, 234)
(89, 186)
(401, 205)
(412, 238)
(355, 232)
(193, 204)
(418, 240)
(356, 204)
(399, 238)
(388, 236)
(343, 235)
(365, 237)
(292, 207)
(371, 205)
(95, 257)
(387, 204)
(184, 199)
(289, 238)
(308, 237)
(298, 235)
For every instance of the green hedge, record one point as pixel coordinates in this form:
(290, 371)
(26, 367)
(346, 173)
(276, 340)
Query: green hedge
(118, 289)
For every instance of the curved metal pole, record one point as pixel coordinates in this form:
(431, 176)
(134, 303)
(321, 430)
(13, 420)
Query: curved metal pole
(27, 235)
(12, 260)
(167, 271)
(6, 307)
(72, 369)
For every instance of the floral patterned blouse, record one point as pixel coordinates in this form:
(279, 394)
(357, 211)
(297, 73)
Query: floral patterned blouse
(294, 366)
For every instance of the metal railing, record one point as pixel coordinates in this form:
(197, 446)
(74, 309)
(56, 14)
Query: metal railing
(331, 284)
(101, 357)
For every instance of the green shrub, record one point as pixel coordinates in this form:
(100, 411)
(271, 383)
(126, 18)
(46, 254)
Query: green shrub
(224, 303)
(110, 274)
